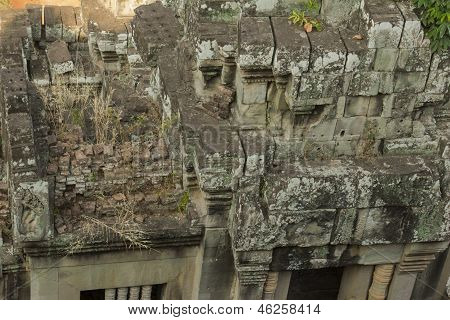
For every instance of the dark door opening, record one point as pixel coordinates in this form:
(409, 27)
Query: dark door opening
(93, 295)
(315, 284)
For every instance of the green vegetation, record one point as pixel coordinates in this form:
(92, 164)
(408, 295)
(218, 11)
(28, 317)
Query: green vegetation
(184, 202)
(307, 16)
(435, 16)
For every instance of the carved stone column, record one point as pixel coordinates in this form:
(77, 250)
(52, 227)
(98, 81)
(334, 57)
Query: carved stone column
(271, 286)
(134, 293)
(146, 293)
(381, 279)
(110, 294)
(122, 294)
(228, 70)
(278, 105)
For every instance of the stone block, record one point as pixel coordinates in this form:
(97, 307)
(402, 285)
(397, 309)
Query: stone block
(416, 59)
(70, 28)
(386, 82)
(254, 92)
(364, 84)
(35, 14)
(59, 58)
(385, 225)
(375, 106)
(386, 59)
(40, 71)
(16, 103)
(345, 148)
(292, 50)
(255, 114)
(374, 129)
(438, 82)
(321, 85)
(359, 56)
(403, 105)
(398, 128)
(322, 131)
(343, 228)
(52, 23)
(384, 22)
(357, 106)
(328, 51)
(20, 127)
(441, 61)
(318, 150)
(349, 128)
(411, 146)
(271, 8)
(221, 11)
(413, 33)
(410, 82)
(338, 13)
(257, 44)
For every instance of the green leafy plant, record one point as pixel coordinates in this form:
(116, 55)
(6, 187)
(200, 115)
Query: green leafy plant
(307, 16)
(435, 16)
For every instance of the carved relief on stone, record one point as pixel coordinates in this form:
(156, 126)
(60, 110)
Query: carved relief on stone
(31, 211)
(382, 277)
(270, 286)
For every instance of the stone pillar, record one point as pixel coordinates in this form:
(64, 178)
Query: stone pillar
(278, 105)
(134, 293)
(271, 286)
(284, 280)
(416, 258)
(122, 294)
(2, 287)
(146, 293)
(44, 284)
(355, 282)
(252, 270)
(402, 285)
(381, 279)
(228, 70)
(110, 294)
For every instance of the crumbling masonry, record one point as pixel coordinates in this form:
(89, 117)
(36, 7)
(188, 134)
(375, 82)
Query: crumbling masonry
(239, 158)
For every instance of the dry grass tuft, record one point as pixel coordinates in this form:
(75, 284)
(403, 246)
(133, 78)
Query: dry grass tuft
(122, 227)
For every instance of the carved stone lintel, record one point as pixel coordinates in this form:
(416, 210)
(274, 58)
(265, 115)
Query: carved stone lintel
(381, 278)
(257, 76)
(417, 257)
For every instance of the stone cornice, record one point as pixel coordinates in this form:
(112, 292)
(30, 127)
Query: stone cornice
(153, 240)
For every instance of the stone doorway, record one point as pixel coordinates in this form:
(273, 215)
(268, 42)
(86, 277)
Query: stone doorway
(315, 284)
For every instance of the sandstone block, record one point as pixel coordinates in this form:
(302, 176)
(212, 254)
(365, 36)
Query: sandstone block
(257, 44)
(386, 59)
(410, 82)
(59, 58)
(385, 23)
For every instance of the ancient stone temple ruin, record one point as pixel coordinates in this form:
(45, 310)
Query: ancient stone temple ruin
(212, 149)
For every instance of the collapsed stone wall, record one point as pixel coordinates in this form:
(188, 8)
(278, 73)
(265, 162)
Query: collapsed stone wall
(81, 177)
